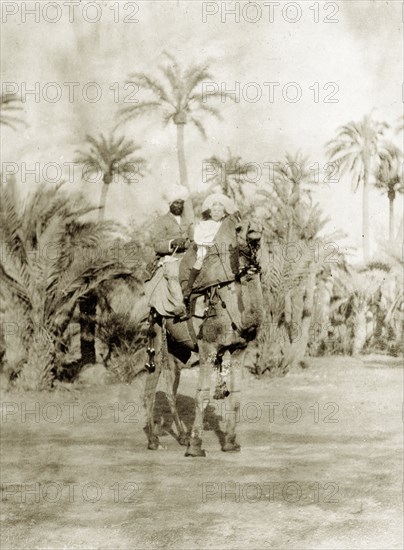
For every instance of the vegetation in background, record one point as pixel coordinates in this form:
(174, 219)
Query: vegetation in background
(389, 180)
(290, 265)
(357, 149)
(115, 159)
(175, 95)
(10, 111)
(55, 261)
(47, 265)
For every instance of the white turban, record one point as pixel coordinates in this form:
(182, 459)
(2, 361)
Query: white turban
(226, 202)
(176, 193)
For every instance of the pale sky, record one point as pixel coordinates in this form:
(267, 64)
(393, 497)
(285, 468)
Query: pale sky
(361, 54)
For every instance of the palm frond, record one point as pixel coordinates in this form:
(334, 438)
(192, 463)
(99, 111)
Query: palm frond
(9, 103)
(199, 126)
(152, 84)
(133, 111)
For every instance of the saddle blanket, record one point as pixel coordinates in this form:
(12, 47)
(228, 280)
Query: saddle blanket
(163, 291)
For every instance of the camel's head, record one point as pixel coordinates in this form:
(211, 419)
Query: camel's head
(249, 234)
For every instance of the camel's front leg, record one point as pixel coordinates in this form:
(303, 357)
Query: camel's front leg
(233, 401)
(201, 399)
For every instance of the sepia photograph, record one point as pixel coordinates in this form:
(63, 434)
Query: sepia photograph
(201, 275)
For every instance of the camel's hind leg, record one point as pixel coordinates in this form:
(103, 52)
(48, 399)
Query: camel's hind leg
(168, 364)
(172, 373)
(149, 400)
(201, 399)
(233, 401)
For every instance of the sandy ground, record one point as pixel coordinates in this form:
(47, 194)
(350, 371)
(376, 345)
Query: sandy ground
(320, 466)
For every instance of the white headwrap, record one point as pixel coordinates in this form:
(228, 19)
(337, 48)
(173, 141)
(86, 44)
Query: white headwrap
(226, 202)
(176, 193)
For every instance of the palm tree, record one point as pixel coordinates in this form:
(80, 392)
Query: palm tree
(356, 149)
(230, 174)
(295, 171)
(292, 224)
(389, 179)
(358, 290)
(174, 95)
(44, 272)
(394, 297)
(113, 158)
(400, 124)
(9, 104)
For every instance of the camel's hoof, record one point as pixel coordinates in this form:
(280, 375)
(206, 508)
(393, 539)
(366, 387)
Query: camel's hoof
(163, 430)
(183, 439)
(195, 452)
(155, 446)
(159, 429)
(231, 446)
(195, 447)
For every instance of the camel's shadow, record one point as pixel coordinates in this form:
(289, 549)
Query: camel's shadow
(186, 412)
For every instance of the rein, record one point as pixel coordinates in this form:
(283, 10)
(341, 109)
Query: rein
(252, 267)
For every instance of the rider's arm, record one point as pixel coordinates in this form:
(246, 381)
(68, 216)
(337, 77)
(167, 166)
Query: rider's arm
(162, 237)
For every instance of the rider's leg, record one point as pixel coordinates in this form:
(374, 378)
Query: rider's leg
(192, 276)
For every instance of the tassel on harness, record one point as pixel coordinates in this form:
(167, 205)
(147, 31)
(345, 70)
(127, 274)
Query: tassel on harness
(151, 334)
(221, 389)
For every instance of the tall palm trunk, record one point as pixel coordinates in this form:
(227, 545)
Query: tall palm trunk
(188, 208)
(359, 329)
(88, 303)
(36, 373)
(365, 212)
(391, 196)
(181, 154)
(103, 201)
(88, 310)
(308, 299)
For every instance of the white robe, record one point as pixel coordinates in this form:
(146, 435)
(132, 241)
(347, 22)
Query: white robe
(204, 236)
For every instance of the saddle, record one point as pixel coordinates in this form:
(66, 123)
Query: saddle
(221, 263)
(221, 266)
(163, 291)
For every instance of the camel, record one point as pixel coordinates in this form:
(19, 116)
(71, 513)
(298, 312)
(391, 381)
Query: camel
(225, 318)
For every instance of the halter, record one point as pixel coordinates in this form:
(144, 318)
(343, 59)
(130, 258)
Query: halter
(251, 268)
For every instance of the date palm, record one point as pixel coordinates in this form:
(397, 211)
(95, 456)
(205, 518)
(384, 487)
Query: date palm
(230, 174)
(356, 149)
(358, 290)
(389, 179)
(175, 95)
(44, 272)
(289, 199)
(292, 226)
(10, 105)
(115, 158)
(400, 124)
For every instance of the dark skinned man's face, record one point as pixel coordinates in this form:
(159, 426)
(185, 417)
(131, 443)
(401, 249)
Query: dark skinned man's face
(177, 207)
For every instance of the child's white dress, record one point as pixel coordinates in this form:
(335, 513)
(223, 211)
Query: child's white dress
(204, 236)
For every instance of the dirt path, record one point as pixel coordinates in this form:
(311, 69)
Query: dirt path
(322, 469)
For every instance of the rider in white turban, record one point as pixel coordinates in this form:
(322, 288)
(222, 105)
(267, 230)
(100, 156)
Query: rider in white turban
(176, 193)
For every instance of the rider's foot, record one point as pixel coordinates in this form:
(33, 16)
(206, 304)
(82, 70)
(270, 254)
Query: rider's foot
(184, 316)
